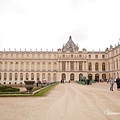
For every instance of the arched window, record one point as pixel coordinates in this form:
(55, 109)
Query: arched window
(103, 66)
(43, 66)
(54, 66)
(27, 66)
(43, 76)
(21, 66)
(5, 76)
(32, 66)
(21, 76)
(80, 66)
(27, 76)
(49, 66)
(16, 76)
(11, 65)
(32, 76)
(38, 76)
(0, 65)
(89, 66)
(10, 76)
(54, 77)
(5, 66)
(49, 77)
(63, 66)
(38, 66)
(71, 65)
(96, 67)
(16, 66)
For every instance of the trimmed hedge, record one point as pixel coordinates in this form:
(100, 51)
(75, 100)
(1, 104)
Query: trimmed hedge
(8, 89)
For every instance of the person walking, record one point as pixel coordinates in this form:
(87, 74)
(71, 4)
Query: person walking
(111, 83)
(118, 83)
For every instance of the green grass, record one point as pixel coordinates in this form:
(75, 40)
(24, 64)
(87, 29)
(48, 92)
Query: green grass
(44, 91)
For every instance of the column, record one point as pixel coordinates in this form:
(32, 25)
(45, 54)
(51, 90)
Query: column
(77, 65)
(69, 65)
(46, 68)
(29, 66)
(83, 66)
(66, 66)
(18, 66)
(35, 67)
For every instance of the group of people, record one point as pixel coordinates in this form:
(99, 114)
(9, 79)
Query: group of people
(112, 81)
(63, 81)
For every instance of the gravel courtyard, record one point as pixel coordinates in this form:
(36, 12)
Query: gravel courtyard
(68, 101)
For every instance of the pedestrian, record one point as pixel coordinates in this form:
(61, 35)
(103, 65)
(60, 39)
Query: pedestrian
(111, 83)
(118, 83)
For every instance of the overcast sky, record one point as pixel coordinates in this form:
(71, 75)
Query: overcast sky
(47, 24)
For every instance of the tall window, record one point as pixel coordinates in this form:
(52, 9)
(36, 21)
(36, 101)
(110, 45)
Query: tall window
(38, 76)
(103, 66)
(49, 66)
(38, 66)
(32, 76)
(54, 77)
(89, 66)
(5, 65)
(96, 66)
(49, 77)
(11, 65)
(54, 66)
(32, 66)
(43, 66)
(80, 66)
(21, 66)
(16, 66)
(63, 66)
(27, 77)
(71, 65)
(27, 66)
(10, 76)
(16, 76)
(5, 76)
(96, 56)
(21, 76)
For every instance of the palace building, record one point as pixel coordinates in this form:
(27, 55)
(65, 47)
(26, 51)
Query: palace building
(66, 63)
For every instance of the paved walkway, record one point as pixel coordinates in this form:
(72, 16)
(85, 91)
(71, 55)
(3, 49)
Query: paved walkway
(68, 101)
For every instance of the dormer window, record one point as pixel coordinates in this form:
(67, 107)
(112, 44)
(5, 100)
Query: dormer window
(71, 49)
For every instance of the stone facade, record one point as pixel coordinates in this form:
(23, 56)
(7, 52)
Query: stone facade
(68, 63)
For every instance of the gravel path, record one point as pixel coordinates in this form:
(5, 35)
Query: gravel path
(68, 101)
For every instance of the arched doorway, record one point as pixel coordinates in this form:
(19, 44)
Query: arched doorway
(96, 77)
(80, 76)
(71, 76)
(64, 76)
(104, 77)
(90, 76)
